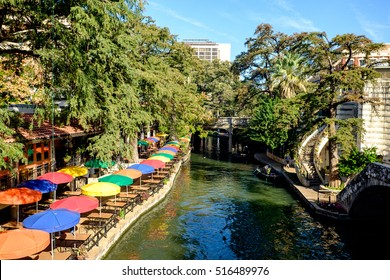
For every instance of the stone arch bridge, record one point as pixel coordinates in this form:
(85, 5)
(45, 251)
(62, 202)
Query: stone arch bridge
(367, 196)
(230, 122)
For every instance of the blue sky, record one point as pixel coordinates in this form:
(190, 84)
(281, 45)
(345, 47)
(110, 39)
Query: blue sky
(232, 21)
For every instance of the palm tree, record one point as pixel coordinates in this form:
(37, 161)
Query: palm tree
(288, 76)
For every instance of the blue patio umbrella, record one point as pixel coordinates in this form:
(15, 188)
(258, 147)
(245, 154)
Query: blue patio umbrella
(52, 220)
(168, 149)
(44, 186)
(144, 168)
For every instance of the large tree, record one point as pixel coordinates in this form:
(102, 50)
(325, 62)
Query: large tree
(117, 71)
(341, 81)
(328, 62)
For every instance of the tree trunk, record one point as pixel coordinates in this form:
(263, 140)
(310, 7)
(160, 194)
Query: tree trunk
(134, 157)
(334, 180)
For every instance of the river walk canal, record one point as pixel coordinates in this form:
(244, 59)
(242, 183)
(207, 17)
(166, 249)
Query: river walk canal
(218, 210)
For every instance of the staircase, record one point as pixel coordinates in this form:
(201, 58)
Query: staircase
(306, 156)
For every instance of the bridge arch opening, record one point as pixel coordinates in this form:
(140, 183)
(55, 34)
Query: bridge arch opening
(373, 203)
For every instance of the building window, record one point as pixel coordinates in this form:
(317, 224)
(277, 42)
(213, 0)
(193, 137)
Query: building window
(46, 150)
(30, 154)
(38, 151)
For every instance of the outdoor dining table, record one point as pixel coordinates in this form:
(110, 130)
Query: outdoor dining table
(115, 204)
(128, 195)
(160, 176)
(73, 193)
(95, 220)
(99, 216)
(140, 188)
(12, 225)
(152, 181)
(69, 240)
(46, 255)
(32, 211)
(134, 198)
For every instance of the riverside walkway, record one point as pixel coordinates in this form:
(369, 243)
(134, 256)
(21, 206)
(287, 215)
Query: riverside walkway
(98, 252)
(312, 197)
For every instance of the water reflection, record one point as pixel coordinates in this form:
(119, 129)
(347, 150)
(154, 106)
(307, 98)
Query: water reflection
(219, 210)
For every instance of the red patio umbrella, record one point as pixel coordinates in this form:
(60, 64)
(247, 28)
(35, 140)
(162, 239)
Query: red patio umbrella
(20, 243)
(156, 164)
(57, 177)
(81, 203)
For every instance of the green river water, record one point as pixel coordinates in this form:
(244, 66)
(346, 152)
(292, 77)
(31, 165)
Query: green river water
(220, 210)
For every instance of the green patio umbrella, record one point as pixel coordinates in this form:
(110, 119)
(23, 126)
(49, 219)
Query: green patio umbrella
(117, 179)
(143, 143)
(97, 163)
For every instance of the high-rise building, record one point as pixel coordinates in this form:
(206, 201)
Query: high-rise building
(207, 50)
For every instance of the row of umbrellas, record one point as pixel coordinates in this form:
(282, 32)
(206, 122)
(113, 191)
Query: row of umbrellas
(31, 191)
(38, 228)
(63, 214)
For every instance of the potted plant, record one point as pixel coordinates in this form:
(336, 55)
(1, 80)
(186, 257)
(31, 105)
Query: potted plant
(67, 158)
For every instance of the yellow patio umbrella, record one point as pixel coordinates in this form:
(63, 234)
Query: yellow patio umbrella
(100, 189)
(163, 159)
(162, 135)
(75, 171)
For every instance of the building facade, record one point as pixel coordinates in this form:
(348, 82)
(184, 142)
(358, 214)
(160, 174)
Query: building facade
(207, 50)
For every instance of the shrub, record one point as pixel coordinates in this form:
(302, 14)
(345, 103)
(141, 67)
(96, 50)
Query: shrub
(356, 161)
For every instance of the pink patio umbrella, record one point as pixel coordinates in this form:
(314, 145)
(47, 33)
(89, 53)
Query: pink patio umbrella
(80, 204)
(57, 178)
(156, 164)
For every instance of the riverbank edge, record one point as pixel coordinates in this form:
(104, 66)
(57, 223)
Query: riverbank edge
(309, 196)
(105, 244)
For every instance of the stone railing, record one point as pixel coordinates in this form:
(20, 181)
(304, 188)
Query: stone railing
(375, 174)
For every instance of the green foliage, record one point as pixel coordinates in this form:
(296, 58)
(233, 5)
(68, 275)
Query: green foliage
(116, 69)
(218, 85)
(10, 151)
(288, 75)
(268, 70)
(272, 120)
(357, 160)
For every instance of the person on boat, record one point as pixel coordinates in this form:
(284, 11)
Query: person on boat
(267, 169)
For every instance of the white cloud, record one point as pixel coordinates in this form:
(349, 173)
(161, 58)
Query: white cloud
(285, 6)
(375, 31)
(192, 21)
(285, 17)
(300, 24)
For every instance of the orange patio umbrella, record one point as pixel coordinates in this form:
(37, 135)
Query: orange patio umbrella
(18, 196)
(160, 158)
(132, 173)
(20, 243)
